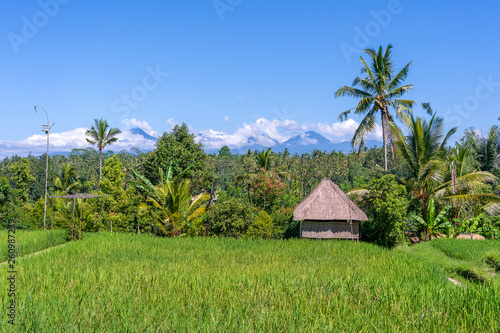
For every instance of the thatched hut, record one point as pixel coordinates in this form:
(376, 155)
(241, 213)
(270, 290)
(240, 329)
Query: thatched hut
(328, 213)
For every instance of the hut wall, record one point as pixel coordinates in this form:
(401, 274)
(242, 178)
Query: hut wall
(330, 229)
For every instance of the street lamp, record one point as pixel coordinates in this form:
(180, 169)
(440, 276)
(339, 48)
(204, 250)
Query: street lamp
(45, 128)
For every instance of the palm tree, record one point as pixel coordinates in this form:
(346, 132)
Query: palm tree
(465, 187)
(427, 172)
(99, 135)
(262, 163)
(264, 159)
(378, 90)
(66, 181)
(172, 198)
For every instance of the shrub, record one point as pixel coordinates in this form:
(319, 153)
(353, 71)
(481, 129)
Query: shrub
(229, 217)
(263, 227)
(386, 204)
(266, 190)
(284, 226)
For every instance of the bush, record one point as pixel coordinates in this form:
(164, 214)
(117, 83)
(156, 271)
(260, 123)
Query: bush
(284, 226)
(266, 190)
(386, 203)
(229, 217)
(263, 227)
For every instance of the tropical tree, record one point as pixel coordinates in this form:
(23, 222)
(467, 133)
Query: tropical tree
(465, 187)
(428, 174)
(171, 197)
(66, 182)
(100, 136)
(378, 90)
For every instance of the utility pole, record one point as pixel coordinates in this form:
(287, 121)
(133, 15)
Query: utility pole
(45, 128)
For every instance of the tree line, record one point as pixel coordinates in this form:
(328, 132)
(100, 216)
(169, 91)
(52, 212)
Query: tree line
(425, 185)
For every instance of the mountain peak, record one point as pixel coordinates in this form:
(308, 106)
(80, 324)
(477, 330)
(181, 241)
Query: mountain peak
(141, 132)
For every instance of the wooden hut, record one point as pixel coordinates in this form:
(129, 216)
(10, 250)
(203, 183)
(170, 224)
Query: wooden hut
(328, 213)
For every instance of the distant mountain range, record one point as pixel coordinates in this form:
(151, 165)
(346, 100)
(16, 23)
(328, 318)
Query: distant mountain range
(299, 144)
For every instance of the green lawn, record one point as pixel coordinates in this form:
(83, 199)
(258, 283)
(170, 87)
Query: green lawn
(30, 241)
(128, 283)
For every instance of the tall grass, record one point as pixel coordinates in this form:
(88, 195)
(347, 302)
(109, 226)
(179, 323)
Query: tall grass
(129, 283)
(30, 241)
(465, 249)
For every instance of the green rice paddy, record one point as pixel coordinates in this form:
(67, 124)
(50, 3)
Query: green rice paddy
(28, 242)
(129, 283)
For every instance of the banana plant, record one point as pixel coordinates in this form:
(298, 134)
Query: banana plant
(474, 225)
(434, 223)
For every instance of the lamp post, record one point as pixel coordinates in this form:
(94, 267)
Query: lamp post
(45, 128)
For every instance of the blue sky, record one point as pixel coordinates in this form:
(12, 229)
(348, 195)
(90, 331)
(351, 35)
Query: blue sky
(232, 69)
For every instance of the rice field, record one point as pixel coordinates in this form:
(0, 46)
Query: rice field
(463, 259)
(28, 242)
(465, 249)
(129, 283)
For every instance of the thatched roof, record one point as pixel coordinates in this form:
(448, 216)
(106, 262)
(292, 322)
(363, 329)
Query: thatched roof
(327, 202)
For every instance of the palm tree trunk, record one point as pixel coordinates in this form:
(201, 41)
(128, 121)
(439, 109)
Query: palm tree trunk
(384, 139)
(100, 164)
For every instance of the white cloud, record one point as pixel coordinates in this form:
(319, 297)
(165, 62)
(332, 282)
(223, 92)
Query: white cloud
(268, 133)
(338, 129)
(344, 130)
(263, 132)
(226, 118)
(171, 122)
(306, 140)
(66, 141)
(141, 124)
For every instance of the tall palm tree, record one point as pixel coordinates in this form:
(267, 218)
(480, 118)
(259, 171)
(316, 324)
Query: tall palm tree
(99, 135)
(378, 90)
(66, 182)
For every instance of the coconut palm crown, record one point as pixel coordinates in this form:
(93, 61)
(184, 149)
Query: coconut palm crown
(99, 135)
(378, 91)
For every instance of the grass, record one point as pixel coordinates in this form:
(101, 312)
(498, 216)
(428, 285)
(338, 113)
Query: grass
(30, 241)
(472, 260)
(465, 249)
(129, 283)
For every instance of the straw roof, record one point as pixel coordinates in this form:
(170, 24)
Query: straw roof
(327, 202)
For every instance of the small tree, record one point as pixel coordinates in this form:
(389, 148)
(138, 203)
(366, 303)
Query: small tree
(386, 203)
(21, 171)
(179, 149)
(266, 190)
(229, 217)
(113, 175)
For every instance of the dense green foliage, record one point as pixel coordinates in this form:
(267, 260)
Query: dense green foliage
(123, 282)
(180, 149)
(386, 203)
